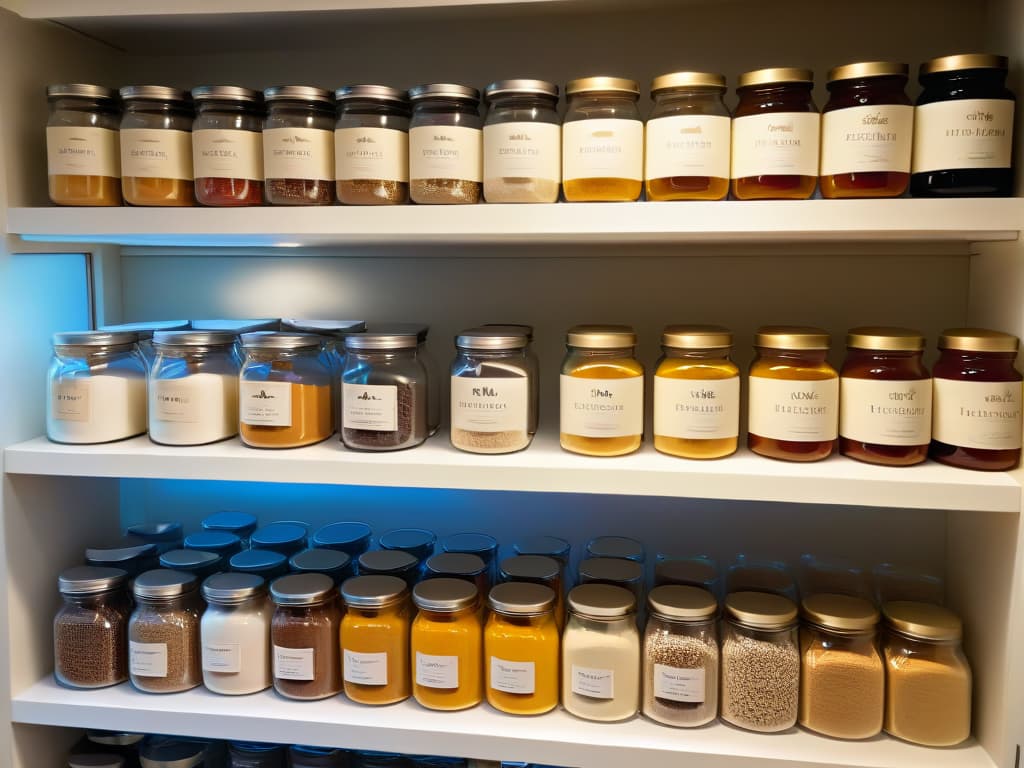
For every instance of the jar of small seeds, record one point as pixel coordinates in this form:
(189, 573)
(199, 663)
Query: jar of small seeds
(90, 647)
(164, 649)
(445, 145)
(371, 145)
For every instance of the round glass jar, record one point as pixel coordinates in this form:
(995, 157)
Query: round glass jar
(172, 752)
(793, 394)
(775, 136)
(255, 754)
(235, 633)
(482, 545)
(82, 148)
(885, 397)
(687, 570)
(304, 636)
(417, 542)
(298, 146)
(963, 128)
(462, 566)
(628, 574)
(445, 145)
(371, 145)
(90, 635)
(601, 394)
(145, 331)
(602, 141)
(532, 364)
(522, 142)
(352, 538)
(96, 388)
(227, 145)
(537, 569)
(164, 648)
(867, 128)
(302, 756)
(696, 393)
(390, 562)
(156, 146)
(375, 639)
(977, 400)
(689, 134)
(116, 744)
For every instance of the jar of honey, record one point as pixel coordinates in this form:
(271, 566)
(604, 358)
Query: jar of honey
(227, 145)
(375, 639)
(156, 146)
(447, 645)
(83, 157)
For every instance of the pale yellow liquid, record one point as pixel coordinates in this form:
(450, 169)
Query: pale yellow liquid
(690, 448)
(604, 446)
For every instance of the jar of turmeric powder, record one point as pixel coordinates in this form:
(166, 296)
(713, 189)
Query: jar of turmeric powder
(83, 158)
(156, 146)
(447, 645)
(375, 639)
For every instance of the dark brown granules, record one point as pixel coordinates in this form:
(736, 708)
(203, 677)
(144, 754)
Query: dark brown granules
(411, 423)
(373, 192)
(300, 191)
(304, 636)
(445, 191)
(90, 642)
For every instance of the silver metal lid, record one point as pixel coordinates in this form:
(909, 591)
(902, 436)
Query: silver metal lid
(115, 738)
(525, 87)
(147, 328)
(682, 603)
(510, 328)
(163, 583)
(226, 93)
(188, 559)
(82, 90)
(90, 580)
(372, 93)
(518, 598)
(374, 591)
(616, 546)
(298, 93)
(444, 595)
(94, 339)
(456, 564)
(323, 327)
(371, 340)
(153, 93)
(530, 568)
(387, 561)
(490, 338)
(611, 569)
(444, 91)
(601, 601)
(400, 329)
(194, 338)
(233, 588)
(302, 589)
(119, 550)
(279, 340)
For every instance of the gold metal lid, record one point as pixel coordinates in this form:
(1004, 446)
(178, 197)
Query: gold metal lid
(601, 336)
(761, 610)
(792, 337)
(602, 84)
(675, 80)
(682, 603)
(978, 340)
(775, 75)
(601, 601)
(444, 595)
(864, 69)
(964, 61)
(520, 598)
(923, 620)
(841, 612)
(696, 337)
(885, 338)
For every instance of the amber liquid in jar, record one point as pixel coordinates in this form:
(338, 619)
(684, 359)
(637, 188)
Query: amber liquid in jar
(604, 446)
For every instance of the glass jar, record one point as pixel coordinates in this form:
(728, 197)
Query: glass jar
(96, 388)
(298, 145)
(164, 649)
(760, 662)
(537, 569)
(252, 754)
(371, 145)
(227, 145)
(171, 752)
(492, 403)
(532, 363)
(963, 128)
(521, 649)
(694, 570)
(615, 571)
(680, 657)
(265, 563)
(242, 524)
(482, 545)
(219, 542)
(302, 756)
(547, 546)
(793, 396)
(304, 636)
(867, 128)
(696, 393)
(418, 542)
(977, 400)
(689, 133)
(284, 536)
(156, 146)
(90, 637)
(601, 654)
(601, 391)
(120, 744)
(462, 566)
(775, 136)
(352, 538)
(284, 391)
(145, 331)
(194, 561)
(842, 681)
(748, 574)
(885, 397)
(522, 142)
(390, 562)
(235, 633)
(928, 678)
(375, 639)
(330, 562)
(445, 144)
(82, 148)
(602, 141)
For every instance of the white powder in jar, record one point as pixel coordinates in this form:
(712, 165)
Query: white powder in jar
(235, 638)
(193, 410)
(96, 405)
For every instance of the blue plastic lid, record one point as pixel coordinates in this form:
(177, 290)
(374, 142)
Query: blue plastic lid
(352, 538)
(238, 523)
(416, 541)
(481, 544)
(330, 561)
(221, 542)
(287, 538)
(265, 562)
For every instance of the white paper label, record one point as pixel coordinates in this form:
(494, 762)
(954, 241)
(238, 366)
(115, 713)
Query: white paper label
(866, 139)
(513, 676)
(173, 402)
(222, 657)
(70, 400)
(156, 153)
(602, 407)
(437, 671)
(370, 406)
(978, 414)
(886, 412)
(523, 151)
(603, 148)
(780, 143)
(82, 152)
(970, 133)
(806, 411)
(679, 684)
(147, 659)
(490, 405)
(371, 153)
(696, 409)
(595, 683)
(265, 403)
(298, 153)
(446, 152)
(688, 145)
(294, 663)
(365, 668)
(217, 153)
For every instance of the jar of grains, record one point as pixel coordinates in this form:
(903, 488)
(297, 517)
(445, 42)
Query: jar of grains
(375, 639)
(82, 148)
(235, 633)
(164, 649)
(445, 144)
(156, 146)
(298, 145)
(371, 145)
(90, 648)
(304, 636)
(227, 145)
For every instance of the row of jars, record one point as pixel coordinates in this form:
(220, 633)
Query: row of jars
(300, 145)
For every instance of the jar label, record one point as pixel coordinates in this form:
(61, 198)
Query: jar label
(437, 671)
(594, 683)
(978, 414)
(603, 148)
(298, 153)
(886, 412)
(86, 151)
(156, 153)
(170, 401)
(147, 659)
(522, 151)
(803, 411)
(688, 145)
(371, 153)
(445, 152)
(866, 139)
(70, 400)
(968, 133)
(370, 406)
(222, 657)
(679, 684)
(265, 403)
(602, 407)
(221, 154)
(779, 143)
(365, 668)
(513, 676)
(490, 405)
(696, 409)
(294, 663)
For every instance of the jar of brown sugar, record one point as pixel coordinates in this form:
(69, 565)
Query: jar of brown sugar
(371, 145)
(164, 649)
(304, 636)
(298, 145)
(90, 635)
(445, 144)
(156, 146)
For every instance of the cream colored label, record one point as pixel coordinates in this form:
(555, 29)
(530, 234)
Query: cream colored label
(523, 151)
(804, 411)
(70, 400)
(370, 406)
(173, 402)
(224, 154)
(593, 683)
(886, 412)
(365, 668)
(371, 153)
(780, 143)
(294, 663)
(225, 658)
(298, 153)
(866, 139)
(490, 405)
(147, 659)
(437, 671)
(603, 148)
(969, 133)
(156, 153)
(978, 414)
(513, 676)
(688, 145)
(602, 407)
(446, 152)
(679, 684)
(82, 152)
(696, 409)
(265, 403)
